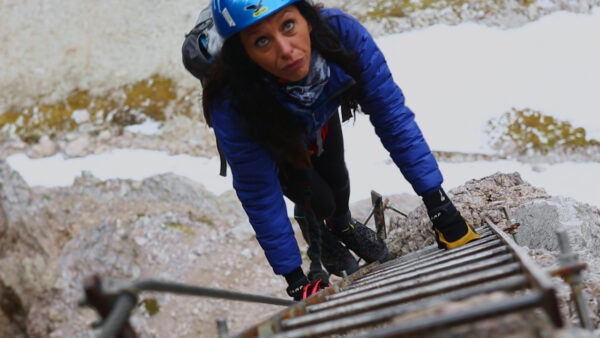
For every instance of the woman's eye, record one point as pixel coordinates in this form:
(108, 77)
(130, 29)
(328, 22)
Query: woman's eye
(261, 42)
(288, 25)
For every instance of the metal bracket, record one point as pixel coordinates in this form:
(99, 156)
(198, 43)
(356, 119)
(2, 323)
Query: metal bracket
(379, 207)
(377, 210)
(114, 303)
(513, 226)
(570, 270)
(222, 330)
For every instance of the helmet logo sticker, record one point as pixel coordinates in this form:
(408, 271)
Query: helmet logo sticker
(228, 18)
(258, 9)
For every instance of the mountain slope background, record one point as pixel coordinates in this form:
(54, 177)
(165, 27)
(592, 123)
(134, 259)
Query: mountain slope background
(77, 77)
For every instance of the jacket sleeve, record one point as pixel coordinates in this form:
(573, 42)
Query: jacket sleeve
(383, 101)
(256, 182)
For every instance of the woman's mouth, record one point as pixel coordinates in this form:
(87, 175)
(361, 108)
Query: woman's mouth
(293, 66)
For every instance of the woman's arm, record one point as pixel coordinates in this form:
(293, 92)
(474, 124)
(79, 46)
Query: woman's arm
(256, 182)
(396, 127)
(383, 101)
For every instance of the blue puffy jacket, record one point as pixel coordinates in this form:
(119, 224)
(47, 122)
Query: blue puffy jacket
(255, 173)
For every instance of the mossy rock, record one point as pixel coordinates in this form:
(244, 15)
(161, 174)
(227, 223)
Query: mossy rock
(123, 106)
(520, 130)
(151, 306)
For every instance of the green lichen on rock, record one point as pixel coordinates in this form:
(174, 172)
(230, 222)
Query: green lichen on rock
(180, 227)
(152, 96)
(402, 8)
(520, 130)
(205, 220)
(149, 97)
(151, 306)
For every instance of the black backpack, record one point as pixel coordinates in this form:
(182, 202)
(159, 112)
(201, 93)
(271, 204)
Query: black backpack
(201, 45)
(198, 51)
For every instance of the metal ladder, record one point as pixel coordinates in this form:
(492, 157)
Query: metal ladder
(373, 297)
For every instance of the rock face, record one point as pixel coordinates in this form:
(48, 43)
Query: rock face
(169, 227)
(15, 196)
(539, 215)
(45, 147)
(539, 222)
(543, 218)
(476, 200)
(163, 227)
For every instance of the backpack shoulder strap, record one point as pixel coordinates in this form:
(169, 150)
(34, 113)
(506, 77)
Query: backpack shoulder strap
(346, 111)
(223, 161)
(346, 107)
(223, 168)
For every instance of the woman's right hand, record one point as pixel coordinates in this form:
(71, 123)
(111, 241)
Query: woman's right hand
(300, 288)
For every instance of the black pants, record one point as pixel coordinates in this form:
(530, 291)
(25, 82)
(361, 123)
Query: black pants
(328, 179)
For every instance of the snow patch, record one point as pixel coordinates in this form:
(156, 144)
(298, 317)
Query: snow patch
(148, 127)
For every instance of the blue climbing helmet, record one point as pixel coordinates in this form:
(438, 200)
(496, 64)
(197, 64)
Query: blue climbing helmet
(232, 16)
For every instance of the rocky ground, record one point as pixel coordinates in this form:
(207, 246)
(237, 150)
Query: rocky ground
(171, 228)
(539, 214)
(384, 17)
(163, 227)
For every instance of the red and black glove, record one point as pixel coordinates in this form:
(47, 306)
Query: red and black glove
(300, 288)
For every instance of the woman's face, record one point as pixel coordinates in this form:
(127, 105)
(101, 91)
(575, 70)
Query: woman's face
(280, 44)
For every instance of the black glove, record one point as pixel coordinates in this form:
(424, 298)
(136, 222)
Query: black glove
(451, 229)
(299, 287)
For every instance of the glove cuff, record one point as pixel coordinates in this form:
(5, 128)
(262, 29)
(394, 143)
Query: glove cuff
(444, 216)
(296, 281)
(450, 227)
(436, 199)
(295, 275)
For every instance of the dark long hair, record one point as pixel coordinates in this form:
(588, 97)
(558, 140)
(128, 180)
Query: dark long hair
(267, 122)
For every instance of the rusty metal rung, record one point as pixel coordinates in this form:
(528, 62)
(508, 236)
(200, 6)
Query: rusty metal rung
(433, 250)
(511, 305)
(382, 294)
(420, 264)
(382, 314)
(485, 233)
(442, 285)
(428, 268)
(402, 262)
(464, 265)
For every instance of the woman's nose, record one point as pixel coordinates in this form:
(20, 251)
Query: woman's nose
(285, 47)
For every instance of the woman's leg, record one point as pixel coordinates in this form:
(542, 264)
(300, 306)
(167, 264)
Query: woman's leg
(293, 184)
(334, 256)
(329, 180)
(331, 166)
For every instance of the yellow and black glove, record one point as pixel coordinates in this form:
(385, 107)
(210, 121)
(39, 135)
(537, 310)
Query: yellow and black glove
(451, 229)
